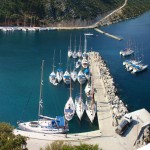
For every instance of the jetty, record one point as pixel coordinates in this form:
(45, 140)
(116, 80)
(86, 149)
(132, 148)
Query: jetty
(110, 111)
(108, 34)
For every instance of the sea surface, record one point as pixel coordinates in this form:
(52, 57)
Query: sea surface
(21, 55)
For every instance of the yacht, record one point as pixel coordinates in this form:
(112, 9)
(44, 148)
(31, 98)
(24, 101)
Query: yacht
(69, 109)
(52, 76)
(59, 73)
(81, 77)
(79, 105)
(44, 124)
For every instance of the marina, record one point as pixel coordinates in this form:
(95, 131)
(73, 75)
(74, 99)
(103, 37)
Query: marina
(27, 54)
(109, 112)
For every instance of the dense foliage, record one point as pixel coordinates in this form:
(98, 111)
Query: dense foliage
(31, 12)
(136, 7)
(9, 141)
(48, 12)
(60, 145)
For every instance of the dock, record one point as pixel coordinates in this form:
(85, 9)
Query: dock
(108, 34)
(110, 111)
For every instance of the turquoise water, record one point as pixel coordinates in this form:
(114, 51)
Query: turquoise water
(20, 62)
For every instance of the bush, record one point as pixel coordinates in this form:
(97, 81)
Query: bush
(60, 145)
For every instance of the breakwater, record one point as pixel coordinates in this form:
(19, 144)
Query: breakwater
(105, 93)
(108, 34)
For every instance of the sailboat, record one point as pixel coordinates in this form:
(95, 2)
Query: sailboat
(79, 104)
(127, 51)
(78, 63)
(45, 124)
(69, 49)
(66, 76)
(91, 106)
(74, 54)
(74, 75)
(85, 54)
(81, 77)
(69, 109)
(88, 89)
(80, 49)
(52, 76)
(59, 73)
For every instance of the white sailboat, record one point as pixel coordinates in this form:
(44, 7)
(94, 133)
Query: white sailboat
(66, 77)
(44, 124)
(91, 106)
(79, 104)
(91, 109)
(78, 64)
(74, 54)
(127, 51)
(79, 54)
(139, 68)
(88, 89)
(81, 77)
(85, 63)
(69, 49)
(69, 109)
(74, 75)
(52, 76)
(59, 73)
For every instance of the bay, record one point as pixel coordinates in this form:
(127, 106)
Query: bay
(20, 66)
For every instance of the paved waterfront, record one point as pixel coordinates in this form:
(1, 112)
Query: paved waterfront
(103, 109)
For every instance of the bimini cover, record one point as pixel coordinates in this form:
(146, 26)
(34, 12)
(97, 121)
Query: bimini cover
(60, 120)
(86, 71)
(67, 77)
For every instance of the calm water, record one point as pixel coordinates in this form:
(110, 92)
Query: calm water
(20, 62)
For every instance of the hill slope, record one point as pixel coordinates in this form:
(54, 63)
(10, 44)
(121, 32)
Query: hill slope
(64, 12)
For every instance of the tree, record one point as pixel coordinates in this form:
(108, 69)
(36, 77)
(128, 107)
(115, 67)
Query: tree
(9, 141)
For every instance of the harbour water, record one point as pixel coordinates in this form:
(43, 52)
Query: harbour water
(20, 61)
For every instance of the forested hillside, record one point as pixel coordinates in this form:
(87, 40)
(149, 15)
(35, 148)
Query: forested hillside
(63, 12)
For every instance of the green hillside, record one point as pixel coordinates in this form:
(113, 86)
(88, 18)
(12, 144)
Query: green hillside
(63, 12)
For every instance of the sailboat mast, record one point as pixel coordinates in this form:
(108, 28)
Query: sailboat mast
(70, 89)
(80, 44)
(53, 60)
(85, 44)
(70, 42)
(81, 91)
(60, 58)
(41, 86)
(75, 45)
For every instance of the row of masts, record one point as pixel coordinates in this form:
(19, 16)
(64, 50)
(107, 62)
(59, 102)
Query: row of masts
(77, 105)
